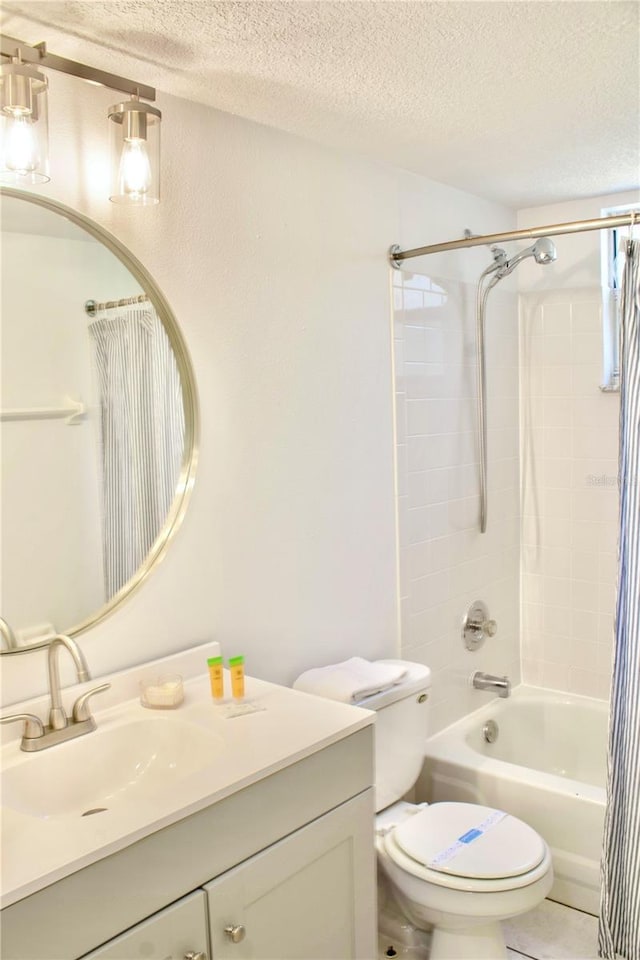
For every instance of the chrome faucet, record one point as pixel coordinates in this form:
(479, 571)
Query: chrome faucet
(486, 681)
(57, 716)
(36, 736)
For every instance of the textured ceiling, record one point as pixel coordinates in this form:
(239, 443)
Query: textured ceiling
(523, 102)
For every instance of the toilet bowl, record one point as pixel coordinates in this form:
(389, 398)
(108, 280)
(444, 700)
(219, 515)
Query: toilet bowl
(460, 869)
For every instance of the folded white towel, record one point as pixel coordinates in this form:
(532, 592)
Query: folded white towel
(352, 680)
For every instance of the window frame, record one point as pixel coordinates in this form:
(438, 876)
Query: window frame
(610, 283)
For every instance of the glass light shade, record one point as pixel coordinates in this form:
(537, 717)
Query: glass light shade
(134, 133)
(24, 130)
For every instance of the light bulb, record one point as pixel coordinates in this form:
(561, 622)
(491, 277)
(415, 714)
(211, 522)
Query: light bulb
(21, 146)
(135, 152)
(134, 174)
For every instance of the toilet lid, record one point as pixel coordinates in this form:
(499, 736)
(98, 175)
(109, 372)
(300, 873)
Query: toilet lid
(467, 840)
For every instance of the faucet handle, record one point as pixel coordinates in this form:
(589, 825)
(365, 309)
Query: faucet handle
(81, 709)
(477, 625)
(33, 726)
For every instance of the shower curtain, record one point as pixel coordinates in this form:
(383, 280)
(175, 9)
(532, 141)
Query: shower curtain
(619, 930)
(142, 420)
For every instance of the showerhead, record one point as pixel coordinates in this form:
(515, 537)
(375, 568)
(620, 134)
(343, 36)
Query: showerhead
(543, 251)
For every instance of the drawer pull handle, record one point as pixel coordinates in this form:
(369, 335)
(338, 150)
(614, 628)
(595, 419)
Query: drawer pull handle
(195, 955)
(235, 933)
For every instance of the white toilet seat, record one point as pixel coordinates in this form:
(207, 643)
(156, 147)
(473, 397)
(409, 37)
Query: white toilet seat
(498, 852)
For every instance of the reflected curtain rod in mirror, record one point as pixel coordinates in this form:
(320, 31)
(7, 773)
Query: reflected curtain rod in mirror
(92, 308)
(82, 529)
(134, 126)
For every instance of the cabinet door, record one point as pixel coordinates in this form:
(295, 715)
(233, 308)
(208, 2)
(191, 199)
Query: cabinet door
(310, 896)
(171, 934)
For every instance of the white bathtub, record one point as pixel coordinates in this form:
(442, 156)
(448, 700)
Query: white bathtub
(548, 767)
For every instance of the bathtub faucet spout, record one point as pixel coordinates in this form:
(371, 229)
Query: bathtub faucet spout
(486, 681)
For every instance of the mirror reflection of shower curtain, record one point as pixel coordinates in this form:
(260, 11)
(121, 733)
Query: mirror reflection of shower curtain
(142, 434)
(619, 930)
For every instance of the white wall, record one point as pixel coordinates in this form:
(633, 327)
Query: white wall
(569, 462)
(272, 253)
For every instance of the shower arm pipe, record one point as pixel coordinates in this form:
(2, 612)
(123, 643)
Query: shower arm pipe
(533, 233)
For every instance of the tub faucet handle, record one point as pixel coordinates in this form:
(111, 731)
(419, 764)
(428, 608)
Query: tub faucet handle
(477, 625)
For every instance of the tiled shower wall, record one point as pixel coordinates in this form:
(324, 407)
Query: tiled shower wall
(570, 494)
(445, 563)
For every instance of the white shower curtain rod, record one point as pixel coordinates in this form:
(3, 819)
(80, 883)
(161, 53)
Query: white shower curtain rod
(396, 255)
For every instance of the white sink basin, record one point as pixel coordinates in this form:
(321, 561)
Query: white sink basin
(112, 766)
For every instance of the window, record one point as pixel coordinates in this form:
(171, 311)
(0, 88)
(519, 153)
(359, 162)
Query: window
(612, 267)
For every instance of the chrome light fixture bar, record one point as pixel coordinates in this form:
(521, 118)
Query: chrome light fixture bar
(134, 125)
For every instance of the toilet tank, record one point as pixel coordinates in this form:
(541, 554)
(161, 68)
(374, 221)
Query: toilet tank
(400, 732)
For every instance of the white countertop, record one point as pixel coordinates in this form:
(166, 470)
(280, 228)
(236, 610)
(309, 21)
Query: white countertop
(39, 850)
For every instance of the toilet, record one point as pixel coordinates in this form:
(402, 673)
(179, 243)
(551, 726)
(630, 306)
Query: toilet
(456, 869)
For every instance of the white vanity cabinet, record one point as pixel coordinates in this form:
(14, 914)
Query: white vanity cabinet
(284, 866)
(303, 898)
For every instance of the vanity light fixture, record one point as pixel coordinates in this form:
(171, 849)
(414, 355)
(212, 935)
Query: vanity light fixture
(23, 123)
(134, 133)
(134, 125)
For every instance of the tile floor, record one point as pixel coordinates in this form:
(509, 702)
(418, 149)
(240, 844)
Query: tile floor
(553, 932)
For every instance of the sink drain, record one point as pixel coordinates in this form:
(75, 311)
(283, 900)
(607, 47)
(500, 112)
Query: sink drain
(89, 813)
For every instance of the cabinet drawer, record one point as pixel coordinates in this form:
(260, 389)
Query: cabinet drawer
(169, 935)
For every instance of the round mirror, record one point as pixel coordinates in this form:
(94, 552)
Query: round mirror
(98, 422)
